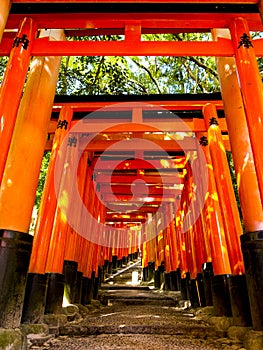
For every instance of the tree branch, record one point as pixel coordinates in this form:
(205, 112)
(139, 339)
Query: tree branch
(149, 73)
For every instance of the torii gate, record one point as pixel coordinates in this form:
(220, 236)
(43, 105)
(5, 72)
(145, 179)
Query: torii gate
(38, 29)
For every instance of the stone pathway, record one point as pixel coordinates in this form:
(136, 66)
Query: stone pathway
(147, 327)
(137, 318)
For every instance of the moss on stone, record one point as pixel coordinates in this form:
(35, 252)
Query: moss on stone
(11, 339)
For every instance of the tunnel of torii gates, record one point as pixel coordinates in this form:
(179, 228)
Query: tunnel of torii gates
(130, 175)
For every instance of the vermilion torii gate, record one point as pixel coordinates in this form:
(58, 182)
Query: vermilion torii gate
(186, 236)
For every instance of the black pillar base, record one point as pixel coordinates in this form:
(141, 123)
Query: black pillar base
(239, 301)
(15, 251)
(114, 263)
(194, 297)
(78, 288)
(151, 267)
(185, 287)
(106, 266)
(70, 273)
(145, 274)
(124, 261)
(96, 288)
(55, 292)
(220, 294)
(207, 272)
(167, 281)
(174, 280)
(119, 263)
(101, 272)
(35, 298)
(84, 292)
(110, 268)
(91, 283)
(201, 289)
(135, 256)
(252, 249)
(157, 279)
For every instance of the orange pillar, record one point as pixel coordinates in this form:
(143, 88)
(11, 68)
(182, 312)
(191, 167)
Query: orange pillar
(247, 184)
(48, 203)
(246, 152)
(4, 12)
(227, 200)
(33, 310)
(216, 232)
(251, 89)
(172, 236)
(55, 258)
(56, 252)
(181, 237)
(20, 179)
(238, 290)
(73, 236)
(13, 84)
(220, 259)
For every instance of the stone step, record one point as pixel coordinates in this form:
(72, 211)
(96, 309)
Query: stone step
(141, 297)
(106, 286)
(75, 330)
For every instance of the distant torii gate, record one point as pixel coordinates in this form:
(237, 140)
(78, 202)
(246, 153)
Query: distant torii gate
(39, 29)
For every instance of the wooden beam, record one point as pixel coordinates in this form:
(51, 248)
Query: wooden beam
(164, 180)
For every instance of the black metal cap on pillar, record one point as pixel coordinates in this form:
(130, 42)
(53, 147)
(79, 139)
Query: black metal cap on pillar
(15, 251)
(252, 249)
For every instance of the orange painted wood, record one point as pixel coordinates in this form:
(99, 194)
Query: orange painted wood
(20, 179)
(247, 184)
(88, 200)
(173, 241)
(144, 1)
(214, 222)
(13, 85)
(202, 229)
(72, 235)
(227, 200)
(252, 92)
(220, 48)
(190, 222)
(4, 12)
(48, 203)
(181, 244)
(199, 244)
(56, 253)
